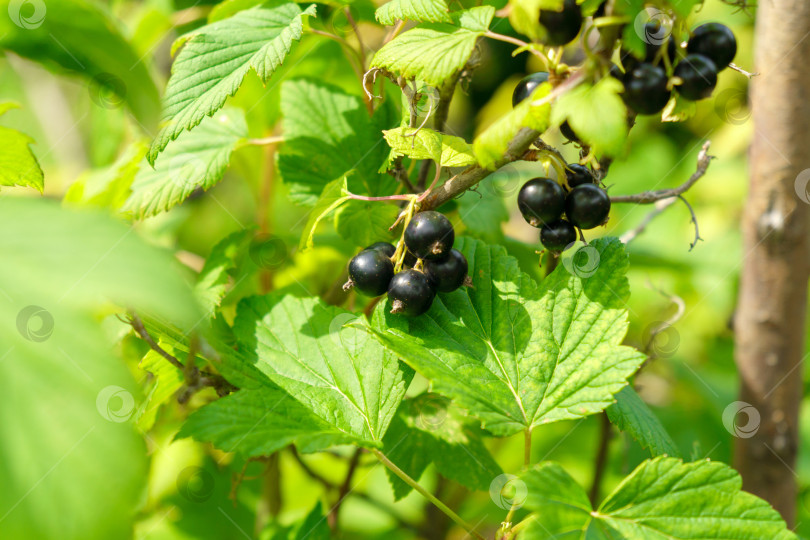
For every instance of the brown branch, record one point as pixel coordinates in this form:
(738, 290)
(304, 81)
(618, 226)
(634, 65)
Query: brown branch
(345, 487)
(140, 329)
(650, 197)
(600, 460)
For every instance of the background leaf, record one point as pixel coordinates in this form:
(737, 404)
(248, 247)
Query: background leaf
(632, 415)
(413, 10)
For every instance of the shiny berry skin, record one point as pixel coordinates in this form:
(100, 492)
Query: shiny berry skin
(577, 174)
(587, 206)
(447, 274)
(370, 272)
(562, 26)
(645, 89)
(411, 293)
(541, 200)
(699, 77)
(429, 235)
(558, 235)
(386, 247)
(714, 41)
(527, 86)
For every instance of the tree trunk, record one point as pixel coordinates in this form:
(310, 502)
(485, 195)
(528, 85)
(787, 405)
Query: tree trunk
(770, 320)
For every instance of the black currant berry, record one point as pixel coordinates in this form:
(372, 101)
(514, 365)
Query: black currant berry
(714, 41)
(447, 274)
(645, 89)
(698, 75)
(558, 235)
(411, 293)
(386, 247)
(587, 206)
(429, 235)
(527, 86)
(370, 272)
(410, 260)
(541, 200)
(577, 174)
(568, 133)
(562, 26)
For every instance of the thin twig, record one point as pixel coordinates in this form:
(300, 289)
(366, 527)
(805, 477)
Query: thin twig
(600, 460)
(425, 493)
(266, 140)
(140, 329)
(527, 447)
(649, 197)
(343, 491)
(738, 69)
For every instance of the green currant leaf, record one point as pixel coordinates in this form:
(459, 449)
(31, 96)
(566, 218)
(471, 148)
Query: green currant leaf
(483, 212)
(524, 16)
(83, 38)
(448, 150)
(328, 133)
(258, 422)
(413, 10)
(678, 109)
(435, 52)
(663, 498)
(632, 415)
(220, 266)
(491, 145)
(215, 59)
(334, 369)
(68, 398)
(366, 222)
(428, 428)
(108, 187)
(333, 196)
(197, 159)
(597, 115)
(167, 381)
(18, 164)
(517, 354)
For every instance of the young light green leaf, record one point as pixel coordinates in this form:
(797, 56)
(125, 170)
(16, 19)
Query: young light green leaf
(448, 150)
(167, 381)
(435, 52)
(18, 164)
(258, 422)
(428, 428)
(108, 187)
(337, 371)
(524, 15)
(84, 39)
(491, 145)
(197, 159)
(327, 134)
(216, 58)
(413, 10)
(597, 115)
(216, 273)
(678, 110)
(632, 415)
(663, 498)
(333, 196)
(515, 354)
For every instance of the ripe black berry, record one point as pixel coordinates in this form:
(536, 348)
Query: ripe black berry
(587, 206)
(385, 247)
(370, 272)
(527, 86)
(411, 293)
(714, 41)
(429, 235)
(558, 235)
(541, 200)
(577, 174)
(447, 274)
(645, 89)
(562, 26)
(698, 75)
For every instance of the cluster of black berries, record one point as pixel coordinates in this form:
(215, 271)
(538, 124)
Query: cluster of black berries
(431, 266)
(710, 49)
(559, 211)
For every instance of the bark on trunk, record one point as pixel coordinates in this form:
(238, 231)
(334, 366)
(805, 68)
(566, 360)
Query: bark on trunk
(770, 320)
